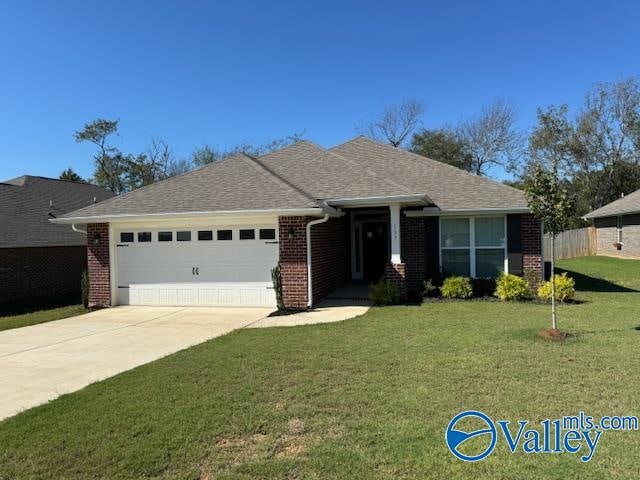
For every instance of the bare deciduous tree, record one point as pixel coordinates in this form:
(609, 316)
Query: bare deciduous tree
(396, 124)
(492, 138)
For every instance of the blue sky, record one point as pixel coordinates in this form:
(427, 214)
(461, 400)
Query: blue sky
(195, 72)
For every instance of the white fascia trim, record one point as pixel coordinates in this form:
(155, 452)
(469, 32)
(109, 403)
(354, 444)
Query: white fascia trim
(318, 212)
(435, 212)
(383, 200)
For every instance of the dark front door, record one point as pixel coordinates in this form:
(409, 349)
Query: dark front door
(375, 250)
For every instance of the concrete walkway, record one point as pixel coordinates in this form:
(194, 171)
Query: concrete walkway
(41, 362)
(323, 313)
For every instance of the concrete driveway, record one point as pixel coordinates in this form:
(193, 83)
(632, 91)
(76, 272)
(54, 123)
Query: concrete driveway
(41, 362)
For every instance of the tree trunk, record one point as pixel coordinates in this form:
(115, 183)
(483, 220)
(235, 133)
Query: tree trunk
(554, 321)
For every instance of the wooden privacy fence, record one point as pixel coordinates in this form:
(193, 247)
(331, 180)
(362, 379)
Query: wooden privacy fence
(571, 243)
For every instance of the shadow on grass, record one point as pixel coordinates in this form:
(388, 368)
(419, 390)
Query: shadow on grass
(585, 283)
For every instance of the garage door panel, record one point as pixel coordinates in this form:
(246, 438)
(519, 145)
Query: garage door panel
(225, 273)
(233, 294)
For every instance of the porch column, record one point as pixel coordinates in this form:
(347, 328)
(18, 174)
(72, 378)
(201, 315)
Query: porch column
(395, 233)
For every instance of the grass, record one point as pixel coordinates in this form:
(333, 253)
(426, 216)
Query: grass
(19, 318)
(364, 398)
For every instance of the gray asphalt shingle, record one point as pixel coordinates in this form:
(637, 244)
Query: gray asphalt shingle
(623, 206)
(449, 187)
(302, 175)
(27, 201)
(234, 184)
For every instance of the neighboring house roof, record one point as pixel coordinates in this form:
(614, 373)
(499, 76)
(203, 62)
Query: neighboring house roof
(306, 176)
(26, 204)
(626, 205)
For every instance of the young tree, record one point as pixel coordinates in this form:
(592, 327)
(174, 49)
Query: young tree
(492, 138)
(550, 202)
(442, 145)
(71, 176)
(396, 124)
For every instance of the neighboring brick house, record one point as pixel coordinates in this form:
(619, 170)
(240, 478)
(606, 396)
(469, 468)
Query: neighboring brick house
(356, 212)
(38, 259)
(617, 227)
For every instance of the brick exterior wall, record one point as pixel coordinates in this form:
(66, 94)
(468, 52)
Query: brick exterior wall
(329, 256)
(395, 273)
(420, 255)
(607, 235)
(98, 265)
(415, 251)
(41, 273)
(293, 261)
(531, 237)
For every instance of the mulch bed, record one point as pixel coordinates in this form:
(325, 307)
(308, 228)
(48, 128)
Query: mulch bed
(553, 334)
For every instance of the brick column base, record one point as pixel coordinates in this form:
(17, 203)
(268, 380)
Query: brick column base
(395, 273)
(532, 263)
(98, 265)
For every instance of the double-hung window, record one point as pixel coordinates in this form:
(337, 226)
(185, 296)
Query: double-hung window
(473, 247)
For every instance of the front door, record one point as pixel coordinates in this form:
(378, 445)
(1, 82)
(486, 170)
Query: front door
(375, 250)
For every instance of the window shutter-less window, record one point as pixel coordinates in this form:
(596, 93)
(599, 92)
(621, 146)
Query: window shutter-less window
(514, 243)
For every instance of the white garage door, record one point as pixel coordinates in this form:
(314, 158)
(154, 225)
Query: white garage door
(225, 266)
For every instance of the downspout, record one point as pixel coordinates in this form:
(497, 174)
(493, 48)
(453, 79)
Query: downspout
(309, 285)
(79, 230)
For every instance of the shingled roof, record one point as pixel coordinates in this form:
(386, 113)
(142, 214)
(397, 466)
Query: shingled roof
(236, 183)
(27, 203)
(449, 188)
(626, 205)
(305, 176)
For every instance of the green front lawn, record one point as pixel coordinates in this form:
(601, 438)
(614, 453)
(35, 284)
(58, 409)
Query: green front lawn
(366, 398)
(19, 319)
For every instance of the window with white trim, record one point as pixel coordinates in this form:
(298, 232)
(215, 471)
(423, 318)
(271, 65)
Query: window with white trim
(473, 247)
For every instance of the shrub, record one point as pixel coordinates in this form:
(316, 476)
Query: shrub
(565, 288)
(483, 287)
(430, 289)
(84, 289)
(456, 287)
(512, 287)
(384, 293)
(276, 277)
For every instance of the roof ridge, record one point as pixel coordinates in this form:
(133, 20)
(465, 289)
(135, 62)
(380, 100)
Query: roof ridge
(287, 147)
(281, 178)
(175, 177)
(338, 145)
(368, 169)
(434, 162)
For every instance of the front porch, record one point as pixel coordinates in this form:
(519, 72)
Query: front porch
(402, 244)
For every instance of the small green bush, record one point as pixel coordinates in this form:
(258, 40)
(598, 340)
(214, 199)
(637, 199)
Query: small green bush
(483, 287)
(276, 277)
(456, 287)
(384, 293)
(512, 287)
(430, 289)
(84, 289)
(565, 288)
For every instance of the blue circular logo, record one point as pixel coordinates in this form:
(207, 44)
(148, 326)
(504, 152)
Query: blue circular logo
(455, 438)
